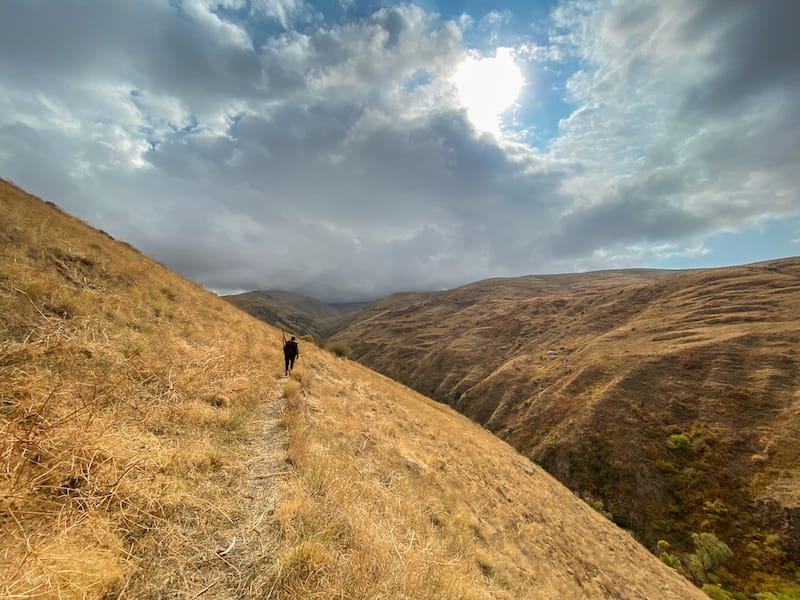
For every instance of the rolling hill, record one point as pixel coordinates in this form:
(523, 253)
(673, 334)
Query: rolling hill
(294, 313)
(668, 398)
(150, 448)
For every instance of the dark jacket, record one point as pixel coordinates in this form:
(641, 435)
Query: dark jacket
(290, 349)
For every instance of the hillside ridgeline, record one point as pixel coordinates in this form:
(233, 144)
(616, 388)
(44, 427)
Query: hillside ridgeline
(290, 312)
(295, 313)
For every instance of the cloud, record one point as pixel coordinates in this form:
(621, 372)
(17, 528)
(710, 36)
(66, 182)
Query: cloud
(260, 144)
(281, 10)
(685, 121)
(493, 22)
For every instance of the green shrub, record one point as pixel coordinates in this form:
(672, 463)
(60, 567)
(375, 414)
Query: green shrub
(678, 441)
(715, 511)
(669, 559)
(710, 550)
(710, 553)
(307, 338)
(717, 593)
(599, 507)
(339, 349)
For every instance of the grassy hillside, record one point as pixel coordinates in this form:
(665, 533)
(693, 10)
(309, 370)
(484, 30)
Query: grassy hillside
(125, 396)
(398, 496)
(149, 448)
(669, 397)
(294, 313)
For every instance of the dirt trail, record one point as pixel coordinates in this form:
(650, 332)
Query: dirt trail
(249, 541)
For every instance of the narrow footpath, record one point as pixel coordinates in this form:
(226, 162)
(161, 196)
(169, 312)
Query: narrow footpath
(247, 542)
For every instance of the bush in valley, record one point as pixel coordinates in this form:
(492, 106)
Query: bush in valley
(765, 553)
(709, 554)
(667, 557)
(715, 592)
(307, 338)
(340, 349)
(678, 441)
(599, 507)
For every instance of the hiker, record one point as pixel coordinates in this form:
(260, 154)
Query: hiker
(290, 353)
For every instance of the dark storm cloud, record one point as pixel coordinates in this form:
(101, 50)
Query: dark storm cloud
(627, 216)
(755, 53)
(347, 221)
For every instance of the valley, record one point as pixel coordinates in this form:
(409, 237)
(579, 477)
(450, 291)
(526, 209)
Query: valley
(667, 399)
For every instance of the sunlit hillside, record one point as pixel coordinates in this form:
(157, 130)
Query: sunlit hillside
(151, 448)
(670, 397)
(126, 394)
(398, 496)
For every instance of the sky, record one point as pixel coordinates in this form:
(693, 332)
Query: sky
(347, 149)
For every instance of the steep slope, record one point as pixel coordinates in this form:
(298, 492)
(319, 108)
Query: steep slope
(129, 399)
(126, 394)
(294, 313)
(669, 396)
(399, 496)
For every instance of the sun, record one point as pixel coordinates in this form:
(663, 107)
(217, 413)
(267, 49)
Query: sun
(487, 87)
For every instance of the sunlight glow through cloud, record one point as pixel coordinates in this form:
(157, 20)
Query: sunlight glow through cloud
(348, 150)
(487, 87)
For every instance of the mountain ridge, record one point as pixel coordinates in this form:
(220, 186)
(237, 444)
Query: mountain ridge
(292, 312)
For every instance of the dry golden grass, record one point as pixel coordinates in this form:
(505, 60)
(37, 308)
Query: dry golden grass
(125, 394)
(400, 497)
